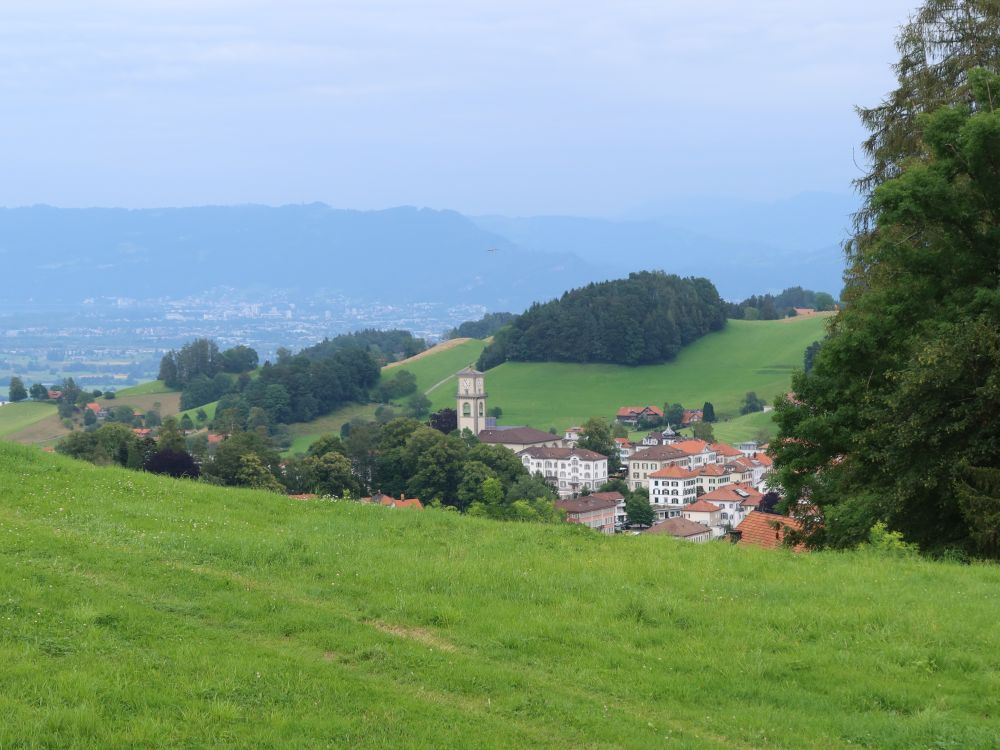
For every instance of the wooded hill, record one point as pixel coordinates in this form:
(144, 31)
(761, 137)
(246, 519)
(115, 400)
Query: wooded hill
(644, 319)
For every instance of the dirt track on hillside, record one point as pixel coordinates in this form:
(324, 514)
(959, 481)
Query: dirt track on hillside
(442, 347)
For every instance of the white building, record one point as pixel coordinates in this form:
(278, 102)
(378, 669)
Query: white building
(569, 470)
(644, 462)
(671, 489)
(707, 514)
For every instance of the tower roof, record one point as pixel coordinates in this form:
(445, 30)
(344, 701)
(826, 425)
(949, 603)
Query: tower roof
(468, 371)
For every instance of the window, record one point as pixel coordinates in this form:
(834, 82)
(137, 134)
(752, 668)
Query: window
(466, 409)
(480, 408)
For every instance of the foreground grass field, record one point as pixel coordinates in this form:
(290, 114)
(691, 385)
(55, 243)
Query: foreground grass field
(721, 368)
(142, 612)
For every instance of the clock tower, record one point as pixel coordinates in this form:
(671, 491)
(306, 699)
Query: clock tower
(471, 397)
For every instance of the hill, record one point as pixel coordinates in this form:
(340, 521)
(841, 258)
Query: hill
(720, 367)
(143, 611)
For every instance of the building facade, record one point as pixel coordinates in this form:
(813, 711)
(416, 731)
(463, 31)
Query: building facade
(471, 400)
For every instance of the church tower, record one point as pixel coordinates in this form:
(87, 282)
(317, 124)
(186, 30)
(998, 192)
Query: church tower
(471, 401)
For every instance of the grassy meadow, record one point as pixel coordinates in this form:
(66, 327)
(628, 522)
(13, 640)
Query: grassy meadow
(21, 415)
(721, 367)
(140, 611)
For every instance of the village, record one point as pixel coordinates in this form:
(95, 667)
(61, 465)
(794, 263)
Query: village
(698, 491)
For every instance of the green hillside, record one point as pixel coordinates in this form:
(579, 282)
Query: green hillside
(140, 611)
(18, 416)
(720, 367)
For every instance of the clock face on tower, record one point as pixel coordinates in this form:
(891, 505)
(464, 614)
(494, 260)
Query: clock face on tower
(466, 385)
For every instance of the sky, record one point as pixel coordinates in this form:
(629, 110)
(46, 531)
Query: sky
(515, 107)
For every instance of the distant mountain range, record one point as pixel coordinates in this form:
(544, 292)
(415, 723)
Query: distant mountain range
(410, 254)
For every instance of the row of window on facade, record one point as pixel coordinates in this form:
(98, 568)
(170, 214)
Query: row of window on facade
(467, 409)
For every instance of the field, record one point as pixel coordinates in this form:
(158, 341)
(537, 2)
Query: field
(146, 389)
(140, 611)
(23, 414)
(721, 368)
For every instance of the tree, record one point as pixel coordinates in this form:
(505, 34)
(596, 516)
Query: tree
(637, 508)
(418, 405)
(17, 390)
(938, 46)
(169, 437)
(239, 359)
(327, 444)
(186, 422)
(39, 392)
(751, 403)
(904, 392)
(470, 488)
(495, 411)
(225, 464)
(809, 358)
(708, 412)
(597, 437)
(673, 414)
(172, 463)
(201, 415)
(703, 431)
(444, 421)
(332, 474)
(254, 473)
(151, 418)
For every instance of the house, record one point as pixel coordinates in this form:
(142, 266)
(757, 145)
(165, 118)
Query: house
(759, 466)
(735, 501)
(681, 528)
(572, 435)
(215, 439)
(391, 502)
(690, 416)
(644, 462)
(666, 437)
(701, 453)
(621, 517)
(713, 476)
(141, 432)
(766, 530)
(597, 511)
(569, 470)
(519, 438)
(55, 395)
(671, 489)
(95, 408)
(625, 449)
(706, 513)
(725, 452)
(632, 415)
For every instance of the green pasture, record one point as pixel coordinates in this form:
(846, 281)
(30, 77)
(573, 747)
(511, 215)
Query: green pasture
(438, 366)
(140, 611)
(144, 389)
(15, 417)
(721, 367)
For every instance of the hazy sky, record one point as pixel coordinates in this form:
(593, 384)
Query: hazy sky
(510, 107)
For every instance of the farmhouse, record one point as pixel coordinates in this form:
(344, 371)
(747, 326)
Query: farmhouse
(569, 470)
(632, 415)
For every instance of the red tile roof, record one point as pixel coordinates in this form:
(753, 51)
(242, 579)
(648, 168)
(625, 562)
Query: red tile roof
(724, 449)
(616, 496)
(702, 506)
(767, 530)
(679, 527)
(214, 438)
(94, 407)
(691, 447)
(635, 411)
(673, 472)
(393, 502)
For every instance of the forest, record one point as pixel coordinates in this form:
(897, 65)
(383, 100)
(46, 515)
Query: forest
(644, 319)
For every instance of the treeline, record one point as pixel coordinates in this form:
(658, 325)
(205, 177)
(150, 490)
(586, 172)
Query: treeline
(384, 346)
(401, 457)
(644, 319)
(483, 328)
(777, 306)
